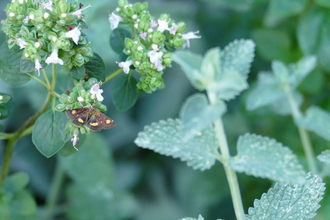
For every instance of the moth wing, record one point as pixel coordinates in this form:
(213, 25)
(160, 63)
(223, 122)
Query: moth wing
(99, 121)
(79, 115)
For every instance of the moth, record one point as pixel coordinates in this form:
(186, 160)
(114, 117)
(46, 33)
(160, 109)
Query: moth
(91, 117)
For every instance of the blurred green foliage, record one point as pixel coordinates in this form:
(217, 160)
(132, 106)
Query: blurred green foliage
(150, 186)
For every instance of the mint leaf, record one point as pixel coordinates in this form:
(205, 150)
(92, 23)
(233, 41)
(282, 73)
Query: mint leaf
(264, 157)
(124, 92)
(164, 137)
(289, 201)
(48, 132)
(196, 114)
(324, 156)
(298, 71)
(316, 120)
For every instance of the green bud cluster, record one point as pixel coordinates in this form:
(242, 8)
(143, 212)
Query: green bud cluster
(41, 28)
(80, 97)
(152, 43)
(6, 105)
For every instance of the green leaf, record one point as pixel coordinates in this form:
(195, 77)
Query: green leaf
(323, 3)
(266, 92)
(191, 65)
(285, 8)
(273, 44)
(124, 92)
(7, 107)
(298, 71)
(188, 218)
(23, 207)
(280, 71)
(211, 63)
(4, 98)
(316, 120)
(48, 132)
(96, 68)
(164, 138)
(10, 57)
(27, 66)
(78, 72)
(196, 114)
(282, 106)
(264, 157)
(117, 39)
(16, 182)
(324, 156)
(289, 201)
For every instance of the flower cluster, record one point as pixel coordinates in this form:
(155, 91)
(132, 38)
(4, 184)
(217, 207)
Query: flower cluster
(153, 40)
(49, 32)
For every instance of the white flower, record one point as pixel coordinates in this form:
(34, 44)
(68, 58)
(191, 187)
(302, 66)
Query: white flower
(114, 20)
(78, 13)
(96, 92)
(155, 58)
(21, 43)
(188, 36)
(162, 25)
(153, 24)
(37, 66)
(173, 29)
(74, 34)
(125, 65)
(74, 140)
(53, 58)
(47, 5)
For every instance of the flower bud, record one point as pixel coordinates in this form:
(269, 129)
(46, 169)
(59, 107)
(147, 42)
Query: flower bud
(158, 37)
(182, 27)
(164, 17)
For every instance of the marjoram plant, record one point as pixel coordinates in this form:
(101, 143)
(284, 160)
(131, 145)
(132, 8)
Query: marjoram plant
(45, 43)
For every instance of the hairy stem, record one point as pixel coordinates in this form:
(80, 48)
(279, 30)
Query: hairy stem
(54, 192)
(296, 114)
(225, 155)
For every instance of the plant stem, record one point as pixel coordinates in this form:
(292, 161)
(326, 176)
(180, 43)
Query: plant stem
(112, 75)
(54, 192)
(296, 114)
(38, 80)
(225, 155)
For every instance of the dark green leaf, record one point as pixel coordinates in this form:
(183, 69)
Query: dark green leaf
(124, 92)
(10, 57)
(47, 133)
(1, 127)
(3, 112)
(117, 39)
(78, 72)
(284, 8)
(27, 66)
(12, 75)
(4, 98)
(96, 68)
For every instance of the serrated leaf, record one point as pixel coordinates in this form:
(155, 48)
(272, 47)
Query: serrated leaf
(316, 120)
(266, 92)
(117, 39)
(48, 131)
(289, 201)
(96, 68)
(264, 157)
(196, 114)
(284, 8)
(78, 72)
(124, 92)
(188, 218)
(191, 65)
(164, 138)
(237, 57)
(324, 156)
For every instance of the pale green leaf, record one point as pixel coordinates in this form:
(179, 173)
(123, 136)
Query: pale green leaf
(196, 114)
(188, 218)
(264, 157)
(298, 71)
(289, 201)
(164, 138)
(284, 8)
(191, 65)
(281, 106)
(266, 92)
(280, 71)
(211, 63)
(324, 156)
(316, 120)
(324, 3)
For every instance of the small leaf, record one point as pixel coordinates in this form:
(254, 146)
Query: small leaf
(264, 157)
(323, 3)
(324, 156)
(298, 71)
(47, 133)
(188, 218)
(266, 92)
(289, 201)
(124, 92)
(285, 8)
(16, 182)
(96, 68)
(316, 120)
(211, 63)
(280, 71)
(164, 138)
(117, 39)
(281, 106)
(196, 114)
(78, 72)
(191, 65)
